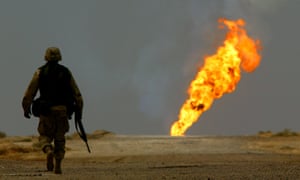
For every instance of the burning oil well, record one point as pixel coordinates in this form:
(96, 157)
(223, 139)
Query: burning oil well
(219, 74)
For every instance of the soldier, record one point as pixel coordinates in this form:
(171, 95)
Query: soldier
(59, 96)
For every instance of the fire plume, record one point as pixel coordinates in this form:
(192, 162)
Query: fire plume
(219, 74)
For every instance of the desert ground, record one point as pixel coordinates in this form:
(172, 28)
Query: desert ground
(261, 156)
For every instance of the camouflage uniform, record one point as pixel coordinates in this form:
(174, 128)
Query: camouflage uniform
(53, 125)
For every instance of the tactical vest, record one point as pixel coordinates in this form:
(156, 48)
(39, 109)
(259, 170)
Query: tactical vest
(54, 85)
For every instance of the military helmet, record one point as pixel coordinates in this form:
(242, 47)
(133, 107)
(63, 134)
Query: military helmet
(52, 54)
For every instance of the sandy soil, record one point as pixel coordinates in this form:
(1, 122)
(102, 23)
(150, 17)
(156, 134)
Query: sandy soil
(158, 157)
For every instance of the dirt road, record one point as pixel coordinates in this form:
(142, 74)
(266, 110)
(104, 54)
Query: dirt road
(157, 157)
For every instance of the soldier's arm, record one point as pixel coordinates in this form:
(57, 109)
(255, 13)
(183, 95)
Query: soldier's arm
(77, 96)
(31, 91)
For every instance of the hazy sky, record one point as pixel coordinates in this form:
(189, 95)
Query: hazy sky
(134, 59)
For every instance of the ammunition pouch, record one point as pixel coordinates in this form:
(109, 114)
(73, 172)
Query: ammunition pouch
(40, 107)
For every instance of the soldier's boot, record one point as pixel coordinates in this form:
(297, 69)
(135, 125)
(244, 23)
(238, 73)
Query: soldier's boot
(50, 156)
(57, 169)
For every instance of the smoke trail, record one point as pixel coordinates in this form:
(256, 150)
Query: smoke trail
(152, 79)
(160, 59)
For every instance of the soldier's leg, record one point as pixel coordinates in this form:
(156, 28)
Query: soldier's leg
(47, 148)
(62, 126)
(45, 130)
(59, 152)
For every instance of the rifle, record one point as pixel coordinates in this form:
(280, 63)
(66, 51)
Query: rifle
(81, 131)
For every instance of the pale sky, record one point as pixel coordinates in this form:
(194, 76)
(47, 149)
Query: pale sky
(134, 59)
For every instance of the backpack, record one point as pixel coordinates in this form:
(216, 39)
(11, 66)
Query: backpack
(54, 88)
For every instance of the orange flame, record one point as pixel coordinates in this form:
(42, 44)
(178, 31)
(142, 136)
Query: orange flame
(219, 74)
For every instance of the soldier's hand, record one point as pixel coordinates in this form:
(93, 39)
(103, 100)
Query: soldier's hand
(27, 114)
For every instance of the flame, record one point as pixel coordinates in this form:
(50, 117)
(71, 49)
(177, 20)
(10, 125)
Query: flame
(219, 75)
